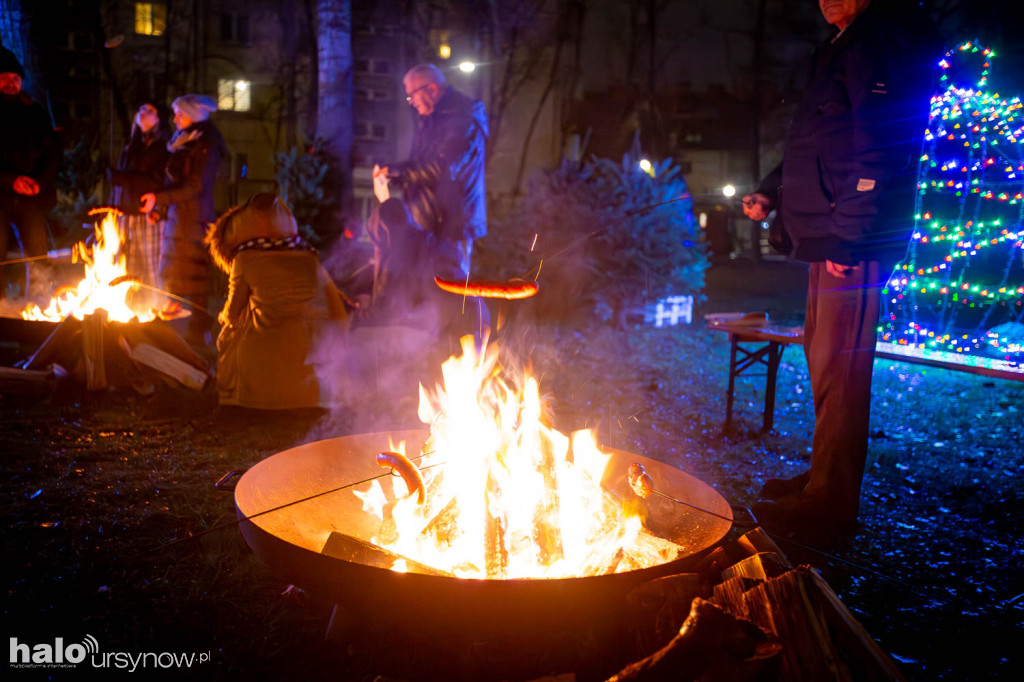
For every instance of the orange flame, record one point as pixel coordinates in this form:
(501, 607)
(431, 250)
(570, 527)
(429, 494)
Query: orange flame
(104, 264)
(507, 496)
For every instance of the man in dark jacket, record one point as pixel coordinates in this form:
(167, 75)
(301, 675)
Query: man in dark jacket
(845, 191)
(443, 179)
(30, 153)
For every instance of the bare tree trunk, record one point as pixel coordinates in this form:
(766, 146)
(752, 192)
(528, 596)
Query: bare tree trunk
(334, 106)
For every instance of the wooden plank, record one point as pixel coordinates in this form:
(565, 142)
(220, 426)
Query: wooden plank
(760, 566)
(165, 363)
(92, 350)
(711, 644)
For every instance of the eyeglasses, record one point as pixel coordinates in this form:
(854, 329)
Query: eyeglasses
(408, 96)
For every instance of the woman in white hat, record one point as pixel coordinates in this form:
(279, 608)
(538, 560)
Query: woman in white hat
(186, 200)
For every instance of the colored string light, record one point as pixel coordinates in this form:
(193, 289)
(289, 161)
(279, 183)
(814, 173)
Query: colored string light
(960, 289)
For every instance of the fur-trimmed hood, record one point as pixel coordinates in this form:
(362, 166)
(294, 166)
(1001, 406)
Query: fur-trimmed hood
(264, 215)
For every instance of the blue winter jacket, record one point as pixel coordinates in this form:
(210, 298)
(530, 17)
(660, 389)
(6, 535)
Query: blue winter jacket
(443, 180)
(849, 171)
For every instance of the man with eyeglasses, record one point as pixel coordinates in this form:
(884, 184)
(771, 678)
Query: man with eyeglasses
(442, 181)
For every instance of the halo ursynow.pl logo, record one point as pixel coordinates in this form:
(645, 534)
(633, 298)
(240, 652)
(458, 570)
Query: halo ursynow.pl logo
(52, 656)
(59, 655)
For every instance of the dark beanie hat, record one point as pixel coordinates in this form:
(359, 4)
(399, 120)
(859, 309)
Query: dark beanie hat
(9, 63)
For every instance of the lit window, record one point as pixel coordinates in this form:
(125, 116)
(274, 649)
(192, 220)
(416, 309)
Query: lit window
(150, 18)
(233, 95)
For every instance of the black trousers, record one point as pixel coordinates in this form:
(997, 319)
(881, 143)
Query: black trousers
(839, 342)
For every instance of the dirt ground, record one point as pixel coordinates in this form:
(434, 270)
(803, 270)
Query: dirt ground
(114, 529)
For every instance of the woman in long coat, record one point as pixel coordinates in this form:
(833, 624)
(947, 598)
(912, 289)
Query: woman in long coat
(281, 302)
(140, 170)
(187, 200)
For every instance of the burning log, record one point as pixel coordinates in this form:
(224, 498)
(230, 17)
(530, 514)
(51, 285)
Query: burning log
(443, 527)
(349, 548)
(100, 352)
(495, 549)
(548, 535)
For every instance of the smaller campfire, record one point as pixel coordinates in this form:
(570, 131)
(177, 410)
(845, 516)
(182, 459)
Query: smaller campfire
(106, 284)
(103, 337)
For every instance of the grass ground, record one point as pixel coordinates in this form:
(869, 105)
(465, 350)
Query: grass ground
(101, 493)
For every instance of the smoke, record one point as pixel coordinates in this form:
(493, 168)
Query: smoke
(370, 372)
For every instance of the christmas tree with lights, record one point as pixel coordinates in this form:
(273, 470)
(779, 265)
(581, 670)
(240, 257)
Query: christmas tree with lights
(958, 295)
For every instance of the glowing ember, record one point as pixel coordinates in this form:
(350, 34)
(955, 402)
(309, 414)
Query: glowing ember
(104, 264)
(506, 495)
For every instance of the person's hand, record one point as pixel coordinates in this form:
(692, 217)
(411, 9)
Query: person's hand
(838, 270)
(756, 206)
(147, 202)
(26, 186)
(379, 171)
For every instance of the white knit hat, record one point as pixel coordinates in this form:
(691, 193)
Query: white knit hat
(196, 107)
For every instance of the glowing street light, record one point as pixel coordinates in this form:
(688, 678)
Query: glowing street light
(729, 191)
(467, 67)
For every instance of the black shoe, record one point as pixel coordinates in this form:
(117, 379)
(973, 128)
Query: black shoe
(777, 488)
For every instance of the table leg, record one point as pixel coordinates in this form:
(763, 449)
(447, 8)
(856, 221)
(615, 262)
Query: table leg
(774, 358)
(734, 345)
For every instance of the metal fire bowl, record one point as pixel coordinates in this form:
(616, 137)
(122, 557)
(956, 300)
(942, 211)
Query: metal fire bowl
(290, 541)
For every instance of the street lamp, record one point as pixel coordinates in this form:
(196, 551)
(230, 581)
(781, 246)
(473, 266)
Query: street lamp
(729, 191)
(467, 67)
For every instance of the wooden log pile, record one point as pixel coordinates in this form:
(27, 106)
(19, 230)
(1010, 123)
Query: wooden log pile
(97, 354)
(748, 614)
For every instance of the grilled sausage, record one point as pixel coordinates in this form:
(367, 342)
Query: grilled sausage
(511, 289)
(640, 481)
(407, 470)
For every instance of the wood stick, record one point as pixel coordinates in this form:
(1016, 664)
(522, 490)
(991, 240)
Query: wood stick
(92, 350)
(710, 641)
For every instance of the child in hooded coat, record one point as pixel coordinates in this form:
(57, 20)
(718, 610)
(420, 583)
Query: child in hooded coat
(280, 302)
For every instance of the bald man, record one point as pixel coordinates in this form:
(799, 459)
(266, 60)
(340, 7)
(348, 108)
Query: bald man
(442, 181)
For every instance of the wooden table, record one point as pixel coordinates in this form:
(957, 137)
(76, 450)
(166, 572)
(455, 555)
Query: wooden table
(769, 342)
